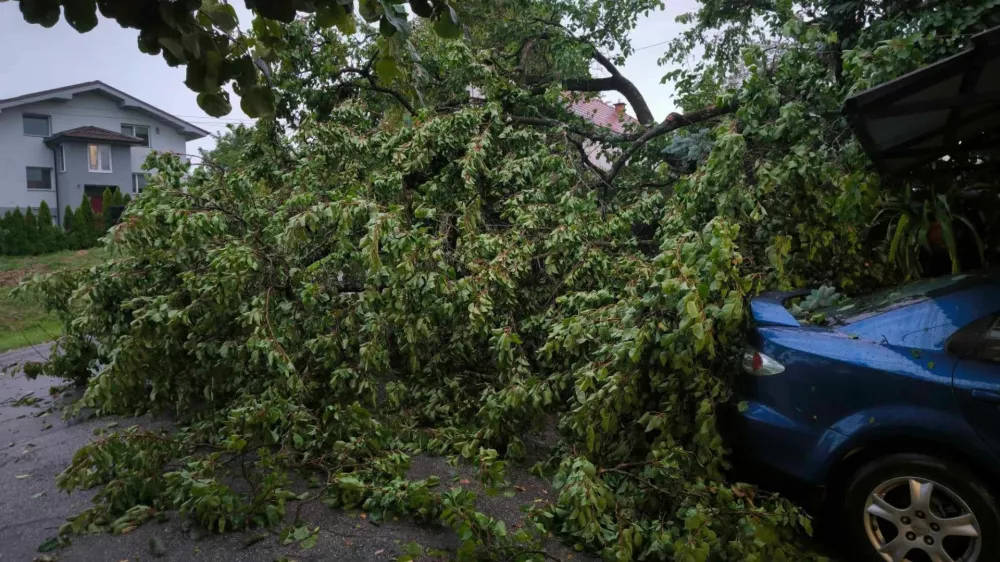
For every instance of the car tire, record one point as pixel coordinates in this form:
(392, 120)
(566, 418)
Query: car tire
(887, 487)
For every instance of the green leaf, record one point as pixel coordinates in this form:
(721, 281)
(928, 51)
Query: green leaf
(897, 238)
(387, 70)
(447, 25)
(222, 15)
(331, 14)
(281, 10)
(258, 102)
(369, 10)
(81, 14)
(310, 541)
(52, 543)
(156, 547)
(215, 104)
(175, 47)
(422, 8)
(42, 12)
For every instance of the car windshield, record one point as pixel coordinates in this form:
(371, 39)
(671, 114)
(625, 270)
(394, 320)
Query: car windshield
(860, 307)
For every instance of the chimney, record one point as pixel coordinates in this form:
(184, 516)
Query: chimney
(620, 109)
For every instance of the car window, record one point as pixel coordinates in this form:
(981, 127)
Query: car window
(978, 340)
(991, 344)
(858, 308)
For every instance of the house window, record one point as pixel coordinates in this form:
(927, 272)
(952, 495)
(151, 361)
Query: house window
(36, 125)
(139, 182)
(140, 131)
(61, 157)
(99, 158)
(39, 178)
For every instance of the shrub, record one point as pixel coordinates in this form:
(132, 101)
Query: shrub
(107, 200)
(86, 226)
(67, 219)
(32, 244)
(17, 238)
(50, 237)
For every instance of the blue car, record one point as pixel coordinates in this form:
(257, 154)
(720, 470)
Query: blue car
(890, 403)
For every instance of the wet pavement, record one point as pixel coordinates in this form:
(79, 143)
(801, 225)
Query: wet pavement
(36, 444)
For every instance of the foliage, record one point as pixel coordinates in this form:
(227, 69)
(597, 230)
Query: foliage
(204, 36)
(50, 236)
(107, 201)
(23, 234)
(927, 225)
(111, 198)
(68, 220)
(31, 232)
(86, 226)
(225, 155)
(823, 297)
(410, 269)
(14, 235)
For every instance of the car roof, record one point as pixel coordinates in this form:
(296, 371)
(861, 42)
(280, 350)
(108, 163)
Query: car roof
(927, 322)
(886, 300)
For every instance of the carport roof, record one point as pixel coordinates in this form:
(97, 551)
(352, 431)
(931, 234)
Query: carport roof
(947, 108)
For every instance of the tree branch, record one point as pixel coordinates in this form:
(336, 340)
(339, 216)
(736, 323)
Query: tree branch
(673, 122)
(616, 82)
(399, 97)
(591, 133)
(627, 89)
(590, 84)
(586, 158)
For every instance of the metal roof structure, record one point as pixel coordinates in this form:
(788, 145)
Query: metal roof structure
(949, 108)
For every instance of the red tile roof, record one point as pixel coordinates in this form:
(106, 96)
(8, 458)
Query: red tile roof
(602, 114)
(96, 133)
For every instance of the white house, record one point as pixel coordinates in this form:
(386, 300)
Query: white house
(57, 145)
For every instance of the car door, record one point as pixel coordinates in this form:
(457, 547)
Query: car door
(977, 377)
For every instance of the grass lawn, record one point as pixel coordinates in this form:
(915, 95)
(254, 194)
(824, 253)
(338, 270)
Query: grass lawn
(24, 322)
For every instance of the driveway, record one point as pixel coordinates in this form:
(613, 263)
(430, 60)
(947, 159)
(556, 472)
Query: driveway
(35, 445)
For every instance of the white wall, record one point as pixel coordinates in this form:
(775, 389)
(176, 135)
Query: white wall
(18, 151)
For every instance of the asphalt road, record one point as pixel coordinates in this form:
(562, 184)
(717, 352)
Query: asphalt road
(35, 445)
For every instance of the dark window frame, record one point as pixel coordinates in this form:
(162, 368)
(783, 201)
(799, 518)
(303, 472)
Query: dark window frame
(48, 124)
(48, 176)
(133, 127)
(136, 189)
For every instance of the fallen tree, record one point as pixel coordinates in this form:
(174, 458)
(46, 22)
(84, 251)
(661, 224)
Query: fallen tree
(447, 278)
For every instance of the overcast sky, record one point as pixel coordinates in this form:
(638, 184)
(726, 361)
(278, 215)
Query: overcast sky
(35, 58)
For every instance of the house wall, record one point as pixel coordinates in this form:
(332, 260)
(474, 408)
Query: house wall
(18, 151)
(78, 174)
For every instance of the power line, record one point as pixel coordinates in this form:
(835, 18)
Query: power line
(654, 45)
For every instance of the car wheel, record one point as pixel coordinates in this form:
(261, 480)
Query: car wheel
(917, 508)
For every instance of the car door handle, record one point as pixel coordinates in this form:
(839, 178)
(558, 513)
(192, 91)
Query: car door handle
(986, 395)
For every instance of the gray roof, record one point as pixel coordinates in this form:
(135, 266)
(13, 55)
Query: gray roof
(94, 134)
(951, 107)
(125, 101)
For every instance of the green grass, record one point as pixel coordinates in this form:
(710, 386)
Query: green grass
(23, 320)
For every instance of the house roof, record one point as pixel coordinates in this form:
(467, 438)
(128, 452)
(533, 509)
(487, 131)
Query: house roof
(125, 101)
(602, 114)
(95, 134)
(951, 107)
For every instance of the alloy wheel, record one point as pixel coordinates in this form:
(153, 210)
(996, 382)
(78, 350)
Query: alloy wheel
(911, 519)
